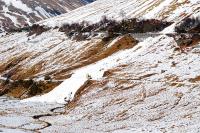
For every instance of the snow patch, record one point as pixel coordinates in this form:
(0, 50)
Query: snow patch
(17, 4)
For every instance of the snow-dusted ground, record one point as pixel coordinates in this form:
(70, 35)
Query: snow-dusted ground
(150, 91)
(68, 88)
(165, 48)
(152, 87)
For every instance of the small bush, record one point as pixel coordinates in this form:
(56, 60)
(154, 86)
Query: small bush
(37, 29)
(186, 40)
(47, 77)
(188, 25)
(7, 75)
(34, 29)
(109, 36)
(34, 90)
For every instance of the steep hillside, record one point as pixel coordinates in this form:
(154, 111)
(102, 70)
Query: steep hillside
(107, 76)
(17, 13)
(171, 10)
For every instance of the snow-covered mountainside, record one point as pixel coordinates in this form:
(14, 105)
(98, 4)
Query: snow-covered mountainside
(97, 79)
(169, 10)
(17, 13)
